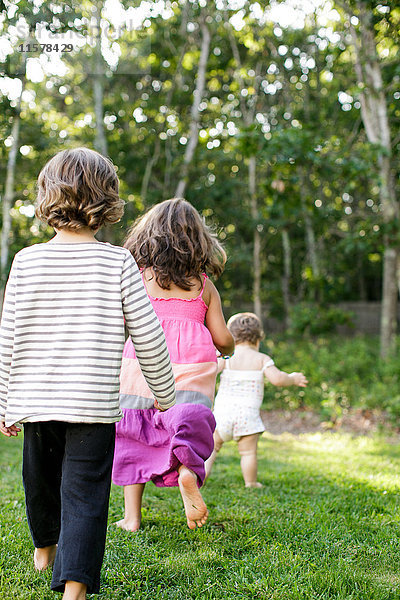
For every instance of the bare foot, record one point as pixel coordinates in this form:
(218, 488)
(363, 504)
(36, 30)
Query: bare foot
(195, 508)
(44, 557)
(254, 484)
(128, 524)
(74, 590)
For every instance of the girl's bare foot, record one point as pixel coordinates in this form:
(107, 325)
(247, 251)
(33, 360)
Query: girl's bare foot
(44, 557)
(128, 524)
(254, 484)
(195, 508)
(133, 507)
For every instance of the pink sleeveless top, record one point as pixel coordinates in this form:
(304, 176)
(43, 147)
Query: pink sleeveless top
(191, 350)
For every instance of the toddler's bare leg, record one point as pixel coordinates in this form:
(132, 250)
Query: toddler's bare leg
(44, 557)
(74, 590)
(133, 507)
(218, 441)
(247, 446)
(195, 508)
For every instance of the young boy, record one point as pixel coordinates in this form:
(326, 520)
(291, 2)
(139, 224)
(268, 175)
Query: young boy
(61, 342)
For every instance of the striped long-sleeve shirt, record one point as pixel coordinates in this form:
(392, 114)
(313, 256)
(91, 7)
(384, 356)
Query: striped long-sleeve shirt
(62, 334)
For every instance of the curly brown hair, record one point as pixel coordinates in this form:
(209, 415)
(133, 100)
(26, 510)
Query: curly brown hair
(174, 241)
(246, 327)
(78, 188)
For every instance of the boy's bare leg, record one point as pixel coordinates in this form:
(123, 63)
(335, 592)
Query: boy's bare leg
(195, 508)
(44, 557)
(74, 590)
(133, 507)
(247, 446)
(218, 441)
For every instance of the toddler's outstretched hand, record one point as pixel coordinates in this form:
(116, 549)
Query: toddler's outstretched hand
(12, 430)
(299, 379)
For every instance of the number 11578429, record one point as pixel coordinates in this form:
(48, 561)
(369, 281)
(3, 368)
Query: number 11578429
(45, 47)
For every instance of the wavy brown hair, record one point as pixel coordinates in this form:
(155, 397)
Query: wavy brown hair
(78, 188)
(174, 241)
(246, 327)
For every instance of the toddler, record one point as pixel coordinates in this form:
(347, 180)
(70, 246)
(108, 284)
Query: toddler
(62, 336)
(240, 394)
(175, 249)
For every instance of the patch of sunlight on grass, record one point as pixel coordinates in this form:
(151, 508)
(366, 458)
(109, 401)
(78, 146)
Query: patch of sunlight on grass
(338, 455)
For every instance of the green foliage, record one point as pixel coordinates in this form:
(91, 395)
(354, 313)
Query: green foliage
(277, 98)
(343, 374)
(313, 319)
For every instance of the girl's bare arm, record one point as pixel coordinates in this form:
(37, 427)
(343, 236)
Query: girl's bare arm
(215, 321)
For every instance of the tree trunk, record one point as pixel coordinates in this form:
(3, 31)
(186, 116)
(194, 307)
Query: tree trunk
(248, 113)
(398, 272)
(9, 191)
(168, 165)
(256, 238)
(287, 273)
(362, 290)
(389, 301)
(8, 198)
(148, 170)
(100, 143)
(376, 122)
(309, 229)
(194, 113)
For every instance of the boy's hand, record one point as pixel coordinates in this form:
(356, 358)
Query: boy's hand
(157, 406)
(299, 379)
(12, 430)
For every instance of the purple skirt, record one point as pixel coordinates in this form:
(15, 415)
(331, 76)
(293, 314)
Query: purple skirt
(150, 445)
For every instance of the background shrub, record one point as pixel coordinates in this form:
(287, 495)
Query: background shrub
(343, 373)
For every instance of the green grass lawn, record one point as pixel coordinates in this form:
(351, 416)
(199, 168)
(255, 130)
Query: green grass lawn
(326, 525)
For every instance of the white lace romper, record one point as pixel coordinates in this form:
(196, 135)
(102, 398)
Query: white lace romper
(238, 401)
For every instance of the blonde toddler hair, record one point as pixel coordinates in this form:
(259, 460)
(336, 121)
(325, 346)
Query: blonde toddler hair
(246, 327)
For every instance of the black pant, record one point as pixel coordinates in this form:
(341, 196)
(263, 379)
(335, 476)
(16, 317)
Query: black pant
(67, 478)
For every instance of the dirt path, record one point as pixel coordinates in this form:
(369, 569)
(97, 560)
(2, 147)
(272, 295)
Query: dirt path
(358, 422)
